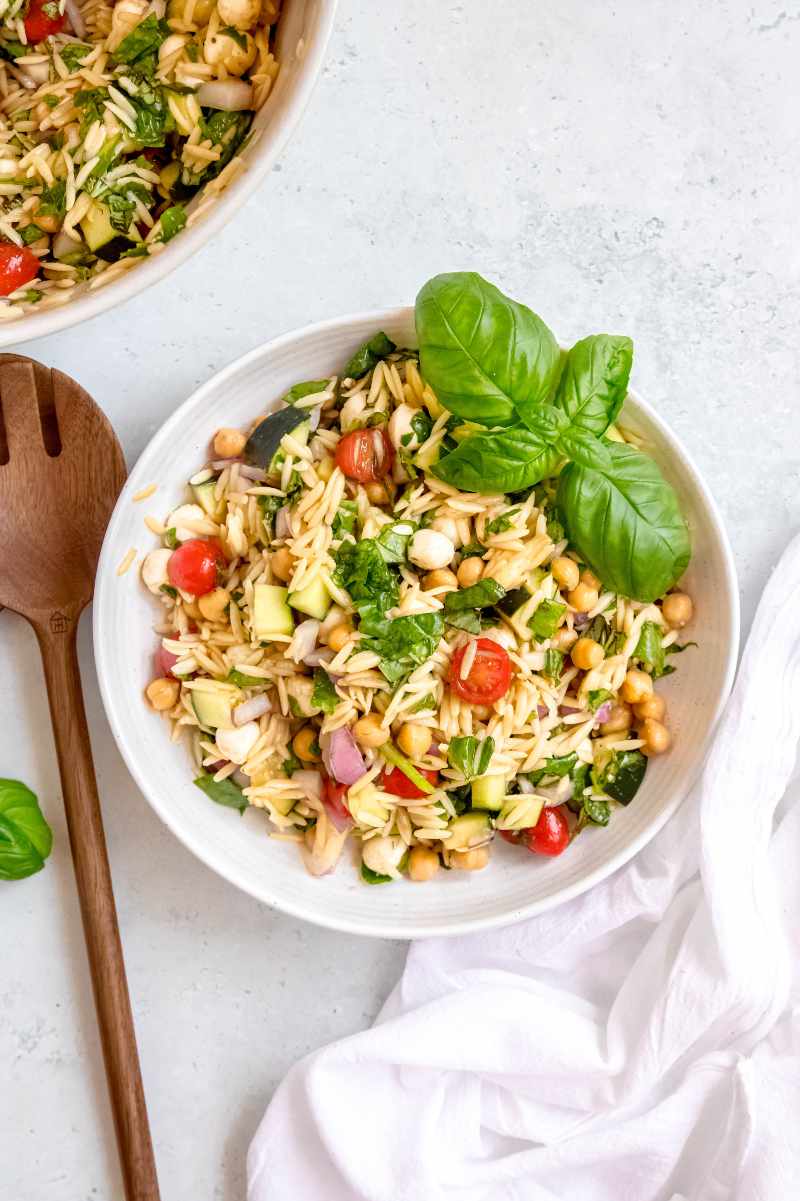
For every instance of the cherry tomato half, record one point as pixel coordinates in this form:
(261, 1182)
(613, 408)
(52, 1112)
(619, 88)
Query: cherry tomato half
(333, 795)
(42, 20)
(489, 677)
(365, 455)
(514, 836)
(195, 566)
(550, 835)
(18, 266)
(398, 783)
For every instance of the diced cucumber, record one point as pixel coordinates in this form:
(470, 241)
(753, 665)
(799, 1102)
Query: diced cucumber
(283, 805)
(488, 792)
(468, 830)
(213, 708)
(204, 495)
(314, 599)
(522, 819)
(96, 226)
(271, 612)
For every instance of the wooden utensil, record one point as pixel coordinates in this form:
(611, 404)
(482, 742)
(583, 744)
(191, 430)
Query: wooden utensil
(61, 470)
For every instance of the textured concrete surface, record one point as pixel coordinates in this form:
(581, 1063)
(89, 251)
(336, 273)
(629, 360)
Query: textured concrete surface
(631, 167)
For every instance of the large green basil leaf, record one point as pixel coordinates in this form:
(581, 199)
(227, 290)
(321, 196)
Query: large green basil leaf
(482, 353)
(626, 523)
(594, 381)
(506, 461)
(25, 837)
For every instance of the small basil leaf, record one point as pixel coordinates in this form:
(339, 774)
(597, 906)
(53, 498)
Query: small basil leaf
(369, 355)
(477, 596)
(309, 388)
(626, 523)
(650, 649)
(544, 621)
(623, 775)
(324, 693)
(481, 352)
(594, 381)
(26, 839)
(470, 755)
(371, 877)
(506, 461)
(393, 540)
(223, 792)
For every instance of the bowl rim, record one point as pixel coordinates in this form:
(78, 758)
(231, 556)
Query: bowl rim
(267, 150)
(106, 573)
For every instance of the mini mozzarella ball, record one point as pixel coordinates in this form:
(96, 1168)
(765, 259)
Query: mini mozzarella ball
(636, 686)
(383, 854)
(587, 654)
(430, 549)
(221, 50)
(469, 571)
(566, 572)
(338, 636)
(352, 412)
(678, 610)
(282, 564)
(414, 740)
(229, 443)
(178, 518)
(423, 864)
(441, 578)
(401, 430)
(447, 526)
(369, 731)
(154, 569)
(619, 718)
(583, 598)
(213, 604)
(655, 736)
(241, 14)
(652, 706)
(304, 745)
(473, 860)
(163, 694)
(236, 744)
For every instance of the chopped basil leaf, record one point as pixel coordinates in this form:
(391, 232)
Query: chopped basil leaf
(324, 693)
(470, 755)
(545, 620)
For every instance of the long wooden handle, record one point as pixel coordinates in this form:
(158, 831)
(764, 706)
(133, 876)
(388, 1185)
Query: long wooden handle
(59, 653)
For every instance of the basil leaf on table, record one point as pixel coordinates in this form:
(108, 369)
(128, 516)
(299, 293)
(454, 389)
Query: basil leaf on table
(481, 352)
(506, 461)
(25, 837)
(626, 523)
(594, 381)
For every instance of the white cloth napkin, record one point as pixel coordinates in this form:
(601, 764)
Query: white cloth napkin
(640, 1043)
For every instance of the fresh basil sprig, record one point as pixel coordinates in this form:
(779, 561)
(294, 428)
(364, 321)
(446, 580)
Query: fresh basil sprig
(25, 837)
(594, 381)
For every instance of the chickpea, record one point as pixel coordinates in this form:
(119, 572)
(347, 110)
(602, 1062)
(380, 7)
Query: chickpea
(620, 718)
(376, 493)
(441, 578)
(564, 638)
(369, 731)
(656, 737)
(229, 443)
(587, 654)
(200, 13)
(469, 571)
(213, 604)
(636, 686)
(325, 468)
(163, 694)
(583, 598)
(423, 863)
(590, 579)
(282, 564)
(221, 50)
(678, 610)
(414, 740)
(304, 745)
(337, 637)
(566, 572)
(241, 14)
(653, 706)
(473, 860)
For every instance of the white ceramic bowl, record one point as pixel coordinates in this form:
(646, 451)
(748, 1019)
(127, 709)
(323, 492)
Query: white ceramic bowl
(514, 885)
(301, 40)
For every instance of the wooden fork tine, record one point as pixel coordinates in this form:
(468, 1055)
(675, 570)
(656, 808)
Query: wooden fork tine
(19, 400)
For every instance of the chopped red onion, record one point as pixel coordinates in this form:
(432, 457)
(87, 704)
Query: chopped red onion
(251, 710)
(73, 11)
(221, 464)
(564, 710)
(542, 710)
(580, 621)
(304, 640)
(320, 657)
(603, 713)
(342, 758)
(283, 523)
(257, 474)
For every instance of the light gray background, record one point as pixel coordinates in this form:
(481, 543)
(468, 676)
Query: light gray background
(630, 167)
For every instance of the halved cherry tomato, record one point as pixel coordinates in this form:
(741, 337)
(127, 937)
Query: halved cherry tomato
(333, 795)
(550, 835)
(18, 266)
(365, 455)
(398, 783)
(165, 661)
(42, 20)
(514, 836)
(489, 677)
(195, 566)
